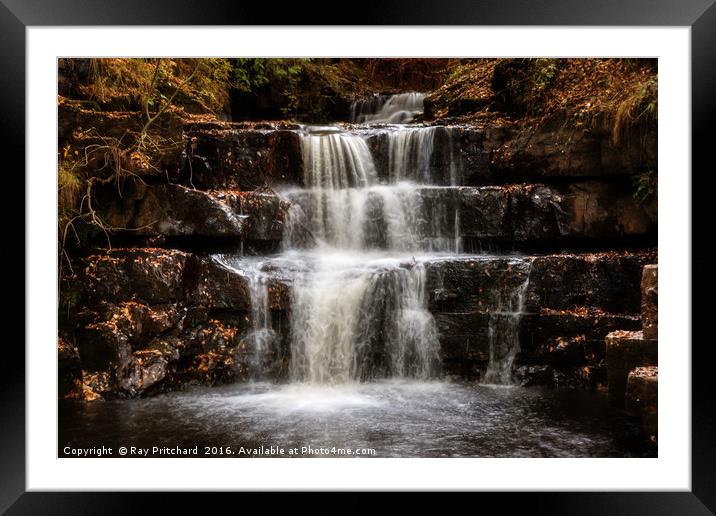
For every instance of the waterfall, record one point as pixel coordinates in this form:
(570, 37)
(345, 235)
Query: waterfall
(504, 333)
(395, 109)
(356, 313)
(355, 243)
(334, 159)
(409, 152)
(356, 321)
(399, 217)
(261, 337)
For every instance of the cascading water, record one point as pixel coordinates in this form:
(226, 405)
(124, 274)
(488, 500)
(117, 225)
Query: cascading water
(409, 153)
(358, 313)
(356, 242)
(358, 320)
(393, 109)
(504, 333)
(333, 159)
(262, 337)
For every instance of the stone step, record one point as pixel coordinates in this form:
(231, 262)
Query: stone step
(247, 156)
(216, 155)
(625, 351)
(521, 213)
(143, 308)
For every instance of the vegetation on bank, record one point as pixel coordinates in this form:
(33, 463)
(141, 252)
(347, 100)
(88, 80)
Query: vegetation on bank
(617, 97)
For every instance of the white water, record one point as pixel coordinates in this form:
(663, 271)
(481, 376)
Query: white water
(409, 152)
(357, 317)
(334, 159)
(504, 334)
(354, 253)
(355, 314)
(395, 109)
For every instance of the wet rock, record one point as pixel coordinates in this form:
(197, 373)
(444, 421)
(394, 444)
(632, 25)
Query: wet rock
(583, 377)
(642, 392)
(609, 281)
(174, 210)
(463, 336)
(222, 287)
(553, 151)
(533, 212)
(263, 355)
(569, 337)
(210, 350)
(147, 275)
(93, 386)
(145, 373)
(484, 213)
(650, 301)
(266, 213)
(625, 351)
(245, 156)
(68, 367)
(141, 322)
(219, 286)
(600, 209)
(469, 285)
(102, 346)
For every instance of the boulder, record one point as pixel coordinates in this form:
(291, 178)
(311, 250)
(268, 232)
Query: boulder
(149, 371)
(650, 301)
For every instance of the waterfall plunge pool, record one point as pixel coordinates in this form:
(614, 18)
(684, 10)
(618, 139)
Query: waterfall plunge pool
(396, 418)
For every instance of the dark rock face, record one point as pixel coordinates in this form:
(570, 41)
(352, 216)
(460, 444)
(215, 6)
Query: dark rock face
(533, 212)
(552, 152)
(136, 339)
(485, 213)
(609, 281)
(570, 337)
(244, 156)
(524, 213)
(571, 303)
(174, 210)
(221, 287)
(151, 275)
(472, 285)
(650, 301)
(625, 351)
(69, 369)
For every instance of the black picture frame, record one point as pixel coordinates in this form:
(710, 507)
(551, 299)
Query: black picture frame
(700, 15)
